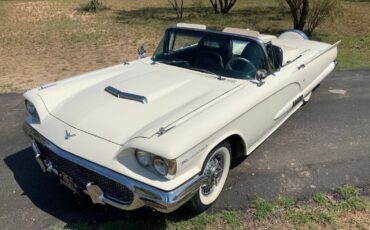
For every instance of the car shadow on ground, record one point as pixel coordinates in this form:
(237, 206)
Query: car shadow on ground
(45, 192)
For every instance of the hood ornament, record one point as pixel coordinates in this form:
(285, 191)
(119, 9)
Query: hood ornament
(68, 135)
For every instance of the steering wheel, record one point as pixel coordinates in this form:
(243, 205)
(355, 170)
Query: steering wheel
(245, 67)
(209, 59)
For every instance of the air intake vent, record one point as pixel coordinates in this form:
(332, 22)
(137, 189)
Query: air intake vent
(129, 96)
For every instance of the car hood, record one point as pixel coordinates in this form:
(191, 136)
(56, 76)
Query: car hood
(172, 93)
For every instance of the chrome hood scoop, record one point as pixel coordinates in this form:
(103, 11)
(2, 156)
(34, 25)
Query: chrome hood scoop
(117, 93)
(136, 101)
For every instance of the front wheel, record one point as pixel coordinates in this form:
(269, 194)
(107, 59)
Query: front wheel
(215, 171)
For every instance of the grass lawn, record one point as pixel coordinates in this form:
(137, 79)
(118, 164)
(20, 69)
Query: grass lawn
(44, 41)
(343, 209)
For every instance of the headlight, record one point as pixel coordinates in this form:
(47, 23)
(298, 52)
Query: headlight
(30, 108)
(160, 166)
(143, 158)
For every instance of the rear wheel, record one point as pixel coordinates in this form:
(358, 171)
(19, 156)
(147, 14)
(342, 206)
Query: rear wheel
(215, 170)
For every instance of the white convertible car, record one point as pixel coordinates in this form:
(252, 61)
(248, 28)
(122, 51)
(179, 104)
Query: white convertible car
(161, 131)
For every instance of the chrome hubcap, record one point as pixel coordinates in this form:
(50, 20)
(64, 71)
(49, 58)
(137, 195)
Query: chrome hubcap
(213, 173)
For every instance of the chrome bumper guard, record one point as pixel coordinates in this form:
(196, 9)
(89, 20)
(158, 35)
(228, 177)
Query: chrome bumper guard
(144, 195)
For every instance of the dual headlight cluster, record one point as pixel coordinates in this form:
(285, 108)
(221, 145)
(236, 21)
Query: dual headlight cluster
(31, 109)
(162, 166)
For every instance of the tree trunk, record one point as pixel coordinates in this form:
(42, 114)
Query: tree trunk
(299, 11)
(303, 15)
(215, 6)
(227, 6)
(222, 6)
(178, 9)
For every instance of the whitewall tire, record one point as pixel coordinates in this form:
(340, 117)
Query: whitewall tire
(215, 170)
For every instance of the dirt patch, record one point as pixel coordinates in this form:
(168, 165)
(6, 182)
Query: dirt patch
(30, 12)
(45, 41)
(54, 64)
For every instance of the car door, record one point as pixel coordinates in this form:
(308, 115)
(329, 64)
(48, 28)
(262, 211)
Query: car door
(280, 97)
(286, 93)
(275, 98)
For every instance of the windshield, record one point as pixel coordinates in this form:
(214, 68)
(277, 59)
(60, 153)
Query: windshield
(221, 54)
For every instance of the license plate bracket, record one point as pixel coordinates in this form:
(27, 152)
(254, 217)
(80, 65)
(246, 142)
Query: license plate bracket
(68, 181)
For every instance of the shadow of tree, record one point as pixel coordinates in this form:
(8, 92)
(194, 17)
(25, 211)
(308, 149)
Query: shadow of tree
(252, 17)
(78, 212)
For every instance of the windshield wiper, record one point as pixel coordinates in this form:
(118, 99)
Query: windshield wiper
(170, 62)
(219, 77)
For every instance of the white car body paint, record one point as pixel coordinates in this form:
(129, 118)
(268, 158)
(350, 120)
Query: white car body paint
(197, 110)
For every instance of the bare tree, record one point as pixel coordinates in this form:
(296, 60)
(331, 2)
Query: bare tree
(299, 10)
(222, 6)
(178, 6)
(93, 6)
(320, 11)
(309, 14)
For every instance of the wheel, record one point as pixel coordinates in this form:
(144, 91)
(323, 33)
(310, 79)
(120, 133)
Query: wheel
(215, 169)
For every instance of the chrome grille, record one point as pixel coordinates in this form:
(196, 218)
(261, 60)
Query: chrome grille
(82, 176)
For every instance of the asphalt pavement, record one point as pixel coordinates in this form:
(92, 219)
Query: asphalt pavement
(323, 146)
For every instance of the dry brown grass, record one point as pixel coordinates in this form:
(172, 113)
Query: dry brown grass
(44, 41)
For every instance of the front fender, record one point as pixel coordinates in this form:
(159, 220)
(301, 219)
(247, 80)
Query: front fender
(33, 97)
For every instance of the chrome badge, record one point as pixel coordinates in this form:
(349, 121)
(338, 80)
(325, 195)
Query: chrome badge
(68, 135)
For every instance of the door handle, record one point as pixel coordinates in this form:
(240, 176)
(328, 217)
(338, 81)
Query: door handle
(301, 66)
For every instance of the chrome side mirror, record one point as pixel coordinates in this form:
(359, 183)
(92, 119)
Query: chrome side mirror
(261, 74)
(141, 51)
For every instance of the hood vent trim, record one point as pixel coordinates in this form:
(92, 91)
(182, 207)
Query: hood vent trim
(134, 97)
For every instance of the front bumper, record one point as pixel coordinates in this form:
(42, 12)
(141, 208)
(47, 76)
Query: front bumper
(143, 194)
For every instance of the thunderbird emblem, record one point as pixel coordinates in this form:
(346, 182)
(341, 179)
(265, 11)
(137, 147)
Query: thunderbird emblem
(68, 135)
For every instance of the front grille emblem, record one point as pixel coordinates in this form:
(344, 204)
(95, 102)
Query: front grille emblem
(68, 135)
